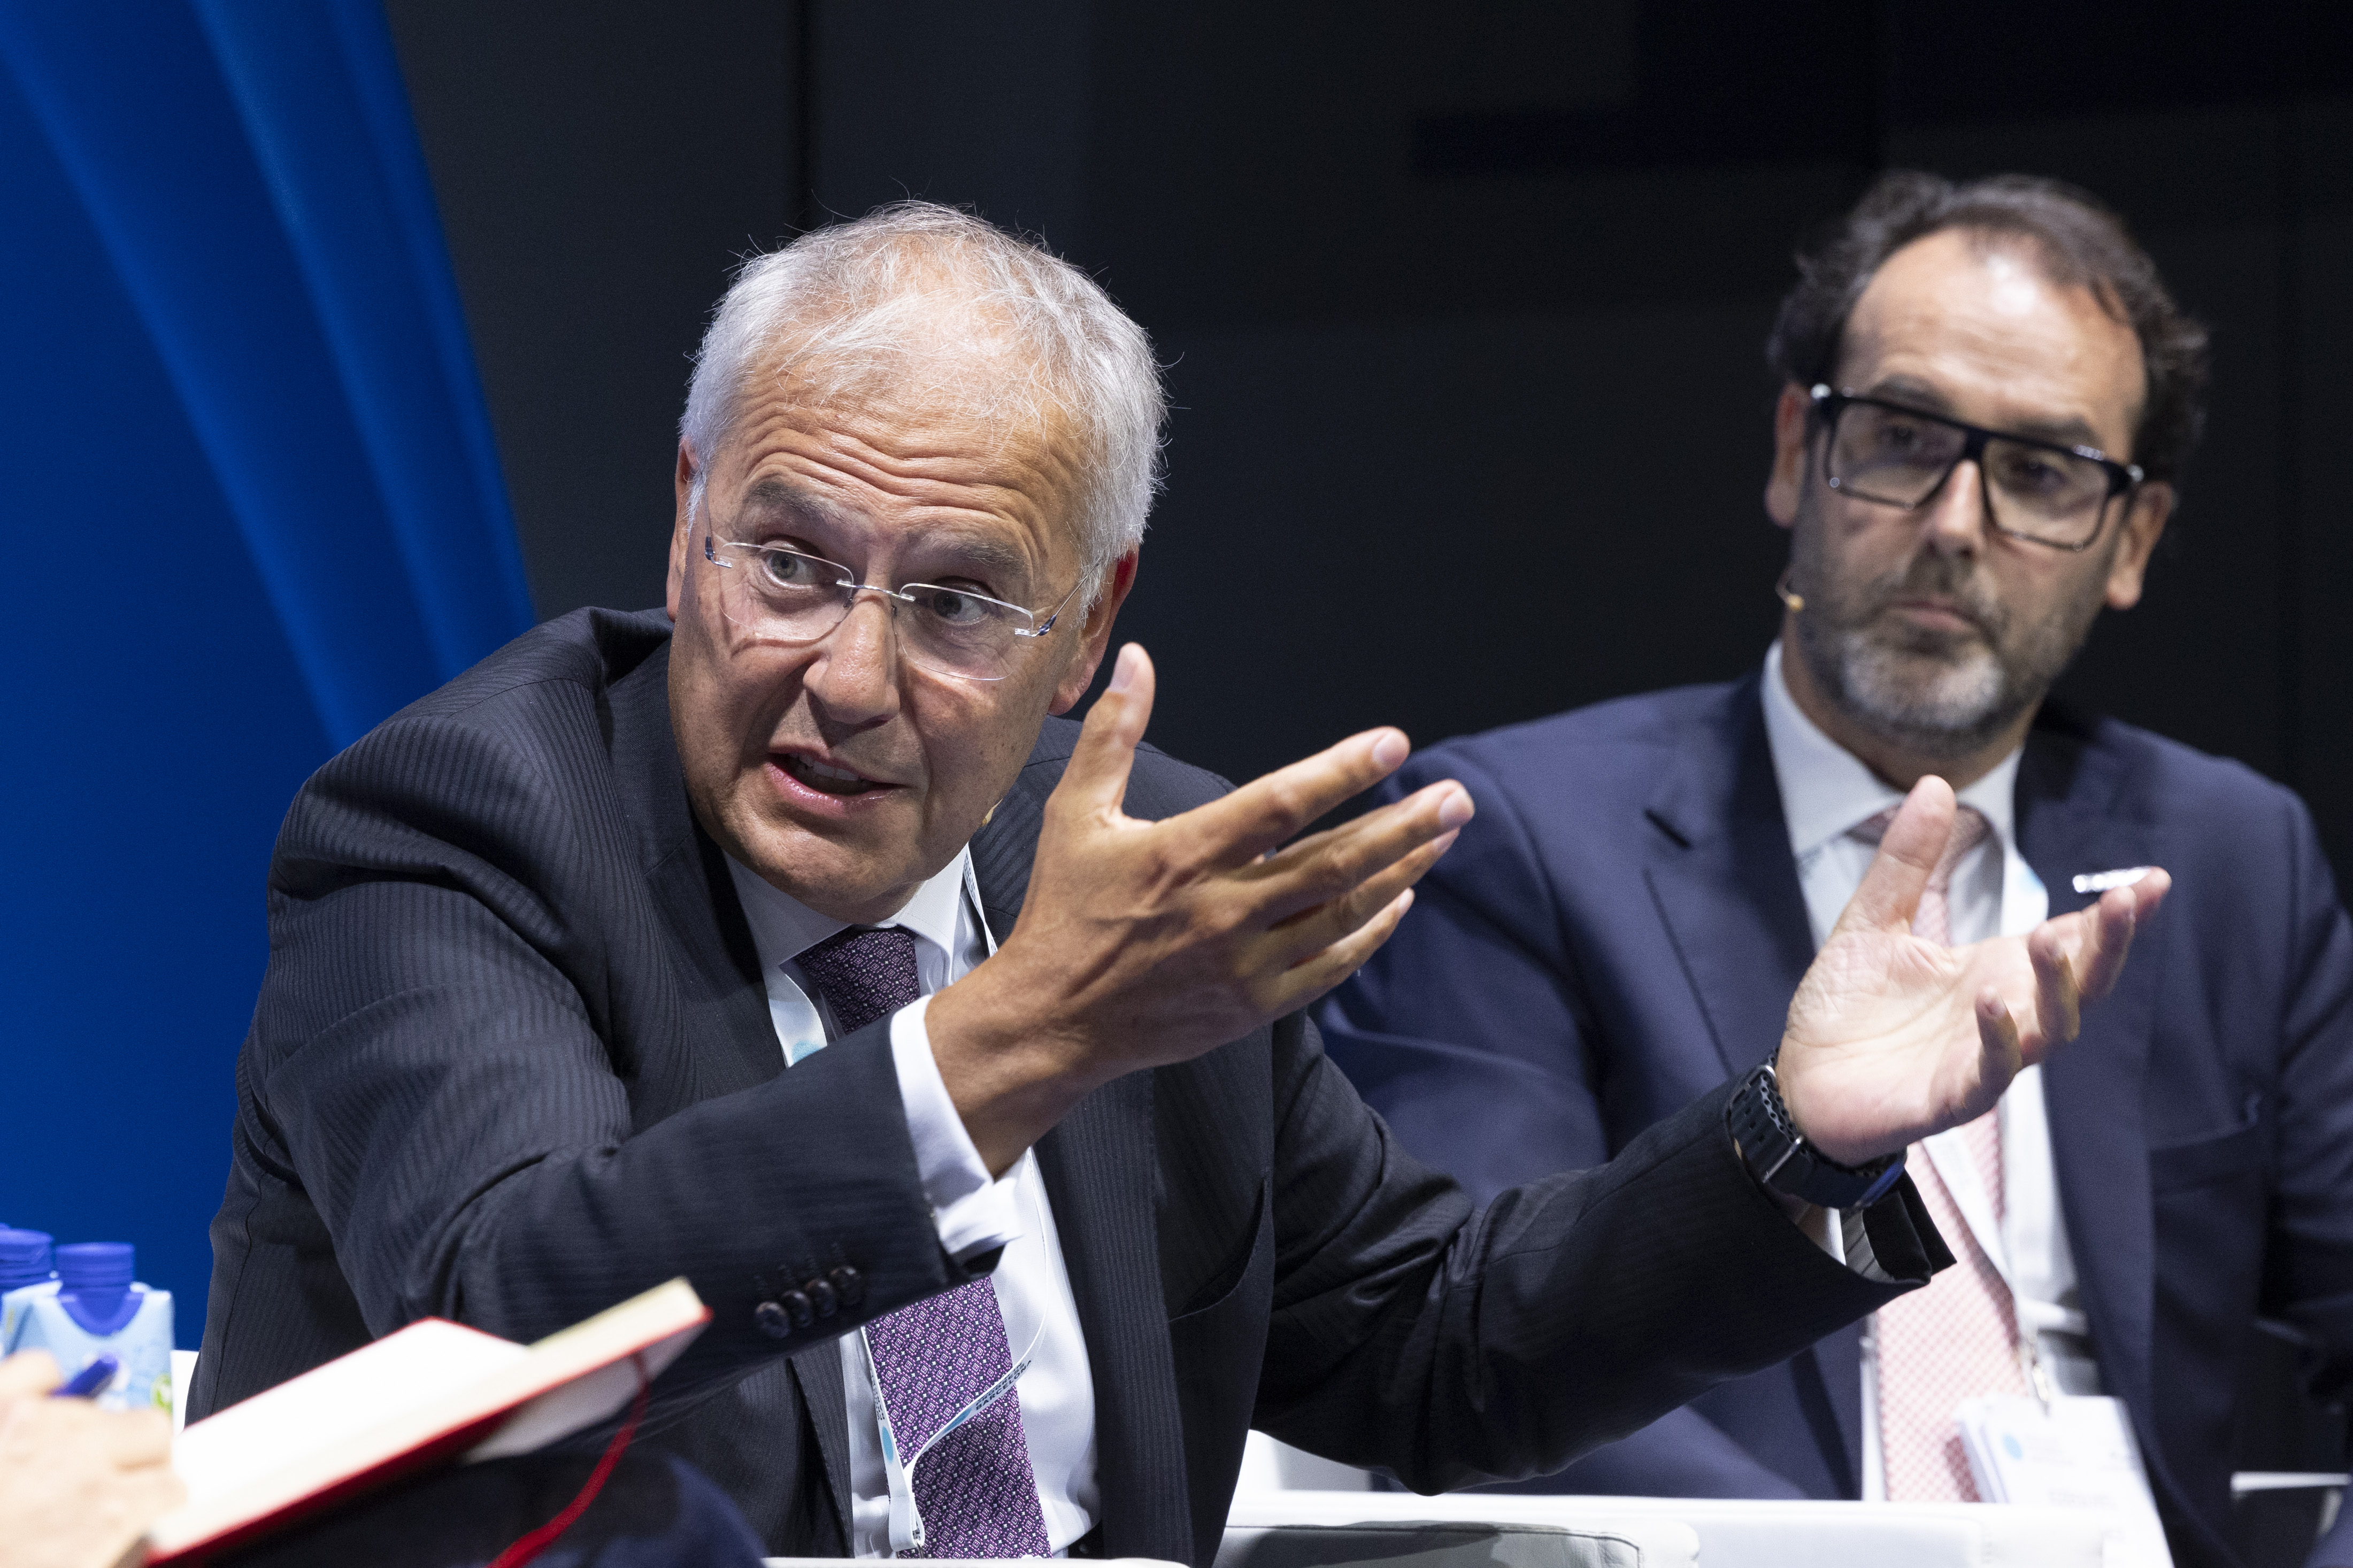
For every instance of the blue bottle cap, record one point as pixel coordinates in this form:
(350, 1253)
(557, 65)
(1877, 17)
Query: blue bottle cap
(94, 1284)
(95, 1265)
(24, 1258)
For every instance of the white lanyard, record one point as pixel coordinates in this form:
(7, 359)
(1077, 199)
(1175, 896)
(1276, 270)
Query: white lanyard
(906, 1519)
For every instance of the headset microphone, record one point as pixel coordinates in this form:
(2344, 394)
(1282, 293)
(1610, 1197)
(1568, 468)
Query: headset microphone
(1796, 602)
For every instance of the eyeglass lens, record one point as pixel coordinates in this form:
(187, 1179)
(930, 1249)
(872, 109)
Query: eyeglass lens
(1899, 458)
(781, 596)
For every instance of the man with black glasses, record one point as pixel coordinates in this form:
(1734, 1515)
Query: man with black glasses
(1988, 394)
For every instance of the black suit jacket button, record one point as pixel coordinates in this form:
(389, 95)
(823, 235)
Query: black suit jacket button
(821, 1295)
(774, 1320)
(850, 1283)
(798, 1305)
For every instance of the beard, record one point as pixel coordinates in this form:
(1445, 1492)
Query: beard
(1938, 693)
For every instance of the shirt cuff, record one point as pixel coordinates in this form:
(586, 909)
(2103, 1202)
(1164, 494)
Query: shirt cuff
(974, 1213)
(1857, 1251)
(1822, 1228)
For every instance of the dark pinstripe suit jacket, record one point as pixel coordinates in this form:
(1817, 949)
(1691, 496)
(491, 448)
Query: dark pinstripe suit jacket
(512, 1062)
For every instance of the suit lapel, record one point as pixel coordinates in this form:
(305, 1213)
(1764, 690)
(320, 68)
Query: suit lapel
(2070, 821)
(1101, 1168)
(730, 1038)
(1726, 889)
(725, 1005)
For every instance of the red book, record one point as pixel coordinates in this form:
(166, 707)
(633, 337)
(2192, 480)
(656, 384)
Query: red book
(435, 1390)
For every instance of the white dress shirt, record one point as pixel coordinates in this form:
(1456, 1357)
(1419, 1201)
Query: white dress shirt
(973, 1212)
(1825, 791)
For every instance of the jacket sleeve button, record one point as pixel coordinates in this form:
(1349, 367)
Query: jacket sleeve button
(773, 1320)
(798, 1305)
(850, 1283)
(822, 1297)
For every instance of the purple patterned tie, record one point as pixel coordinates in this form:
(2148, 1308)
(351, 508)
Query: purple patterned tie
(975, 1491)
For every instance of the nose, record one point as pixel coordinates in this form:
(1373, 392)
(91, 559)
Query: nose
(1954, 519)
(855, 677)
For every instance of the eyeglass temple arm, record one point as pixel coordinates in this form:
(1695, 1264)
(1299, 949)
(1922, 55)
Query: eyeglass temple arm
(1047, 625)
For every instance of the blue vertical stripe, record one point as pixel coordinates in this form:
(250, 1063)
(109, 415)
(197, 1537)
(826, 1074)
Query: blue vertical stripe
(249, 505)
(242, 165)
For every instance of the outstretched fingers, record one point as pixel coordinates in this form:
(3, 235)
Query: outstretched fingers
(1890, 892)
(1329, 865)
(2001, 1050)
(2110, 926)
(2058, 1014)
(1304, 981)
(1096, 778)
(1307, 933)
(1237, 828)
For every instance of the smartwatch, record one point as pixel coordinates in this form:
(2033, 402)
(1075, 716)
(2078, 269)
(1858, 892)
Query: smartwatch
(1782, 1159)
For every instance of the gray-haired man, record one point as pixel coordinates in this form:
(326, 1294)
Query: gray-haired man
(1026, 1235)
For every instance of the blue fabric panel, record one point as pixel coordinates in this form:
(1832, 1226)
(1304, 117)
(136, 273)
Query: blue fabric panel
(244, 199)
(327, 117)
(249, 506)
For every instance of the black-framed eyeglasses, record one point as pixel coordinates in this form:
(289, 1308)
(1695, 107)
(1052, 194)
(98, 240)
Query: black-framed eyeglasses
(778, 594)
(2044, 491)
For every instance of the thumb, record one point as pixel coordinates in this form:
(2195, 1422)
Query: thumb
(1890, 894)
(1096, 776)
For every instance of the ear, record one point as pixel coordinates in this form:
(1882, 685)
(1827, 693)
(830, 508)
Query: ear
(2144, 525)
(1792, 429)
(1095, 635)
(682, 530)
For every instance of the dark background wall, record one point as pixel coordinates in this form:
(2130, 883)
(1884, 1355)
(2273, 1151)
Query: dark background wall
(1463, 304)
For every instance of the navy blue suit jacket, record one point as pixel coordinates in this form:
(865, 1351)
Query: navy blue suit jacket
(1621, 928)
(512, 1062)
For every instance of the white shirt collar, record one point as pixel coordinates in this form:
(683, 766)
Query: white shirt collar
(1827, 789)
(783, 928)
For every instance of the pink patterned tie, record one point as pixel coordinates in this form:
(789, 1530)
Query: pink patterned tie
(1957, 1336)
(975, 1490)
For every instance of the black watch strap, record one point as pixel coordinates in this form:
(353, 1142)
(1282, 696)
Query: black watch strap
(1785, 1162)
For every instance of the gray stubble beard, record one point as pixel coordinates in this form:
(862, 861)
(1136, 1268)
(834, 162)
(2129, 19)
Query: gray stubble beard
(1938, 696)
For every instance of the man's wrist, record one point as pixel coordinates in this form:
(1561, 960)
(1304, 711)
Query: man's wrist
(1784, 1163)
(1001, 1063)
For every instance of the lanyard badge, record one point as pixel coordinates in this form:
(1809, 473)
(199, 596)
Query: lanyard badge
(898, 1468)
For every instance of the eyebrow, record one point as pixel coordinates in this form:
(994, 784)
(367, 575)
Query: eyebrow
(775, 495)
(2073, 431)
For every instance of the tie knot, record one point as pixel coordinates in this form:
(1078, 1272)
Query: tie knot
(1970, 830)
(863, 974)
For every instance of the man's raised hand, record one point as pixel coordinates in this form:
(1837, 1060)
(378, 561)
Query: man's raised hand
(1892, 1038)
(1142, 943)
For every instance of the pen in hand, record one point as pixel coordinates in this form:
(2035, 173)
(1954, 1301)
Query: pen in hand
(89, 1381)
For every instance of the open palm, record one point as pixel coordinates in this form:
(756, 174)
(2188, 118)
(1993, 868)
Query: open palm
(1892, 1038)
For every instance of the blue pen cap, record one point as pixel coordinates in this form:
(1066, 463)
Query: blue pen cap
(24, 1258)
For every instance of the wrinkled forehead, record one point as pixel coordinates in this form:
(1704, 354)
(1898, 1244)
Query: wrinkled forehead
(965, 440)
(938, 355)
(929, 366)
